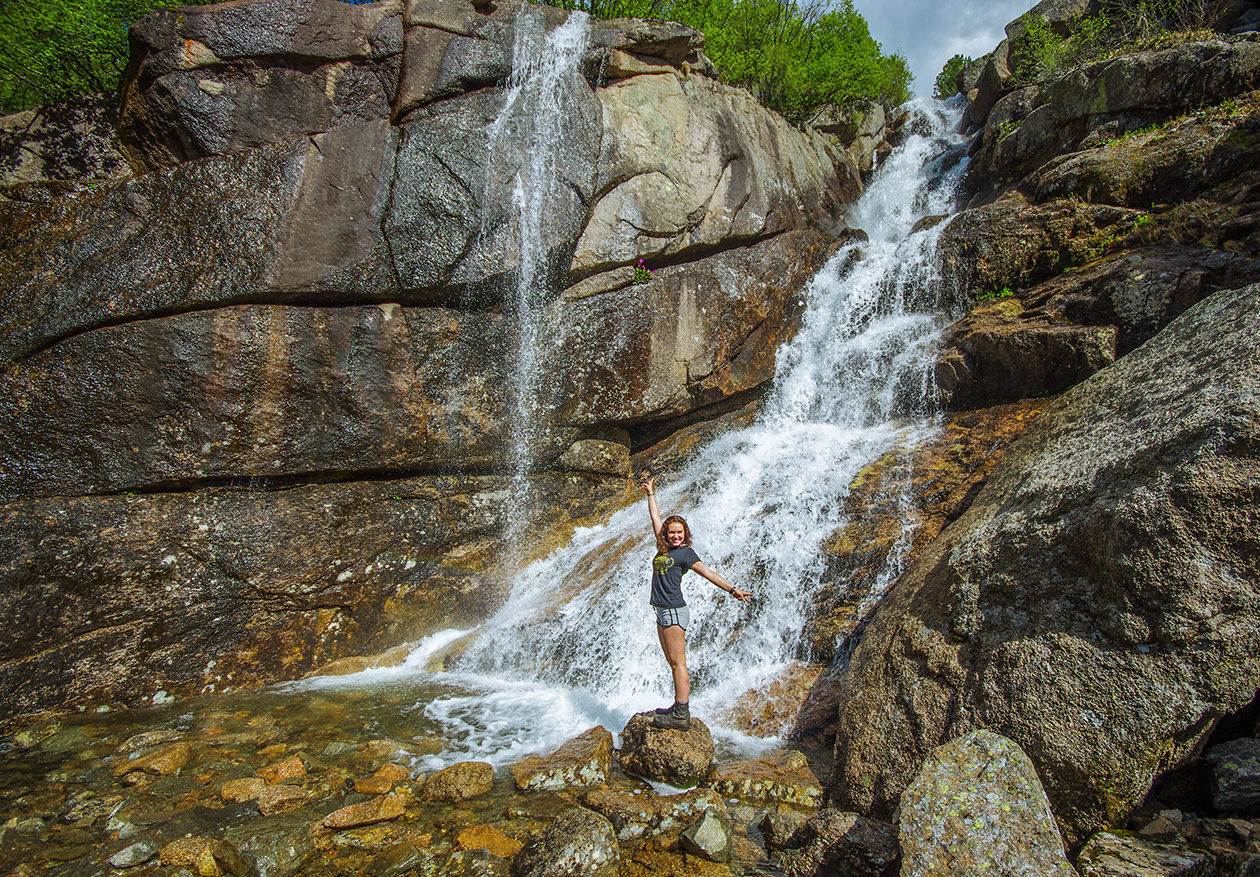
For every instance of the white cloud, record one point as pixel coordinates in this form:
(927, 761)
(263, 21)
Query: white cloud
(929, 33)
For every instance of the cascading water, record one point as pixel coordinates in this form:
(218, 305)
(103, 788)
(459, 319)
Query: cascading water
(575, 643)
(524, 142)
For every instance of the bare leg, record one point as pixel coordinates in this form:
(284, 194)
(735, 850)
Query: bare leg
(674, 644)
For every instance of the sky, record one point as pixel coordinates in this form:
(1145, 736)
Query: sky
(930, 32)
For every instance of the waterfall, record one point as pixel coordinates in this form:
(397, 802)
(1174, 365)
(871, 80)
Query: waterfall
(575, 643)
(524, 143)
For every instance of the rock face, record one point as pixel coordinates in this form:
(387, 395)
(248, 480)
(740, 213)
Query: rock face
(977, 807)
(1235, 774)
(1112, 855)
(315, 325)
(1094, 603)
(71, 141)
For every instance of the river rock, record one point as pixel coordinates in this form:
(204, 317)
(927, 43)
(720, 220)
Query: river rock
(280, 845)
(1115, 855)
(835, 842)
(489, 838)
(206, 856)
(709, 838)
(383, 780)
(645, 814)
(377, 809)
(167, 761)
(290, 768)
(1235, 769)
(778, 778)
(243, 789)
(1137, 598)
(459, 782)
(580, 843)
(977, 807)
(582, 761)
(680, 758)
(282, 798)
(136, 854)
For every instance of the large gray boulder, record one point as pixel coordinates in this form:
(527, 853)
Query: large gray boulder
(977, 807)
(1095, 604)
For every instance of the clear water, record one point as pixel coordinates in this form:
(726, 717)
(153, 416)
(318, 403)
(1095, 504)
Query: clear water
(575, 644)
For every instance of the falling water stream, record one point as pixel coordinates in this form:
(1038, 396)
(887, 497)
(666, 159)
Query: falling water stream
(575, 645)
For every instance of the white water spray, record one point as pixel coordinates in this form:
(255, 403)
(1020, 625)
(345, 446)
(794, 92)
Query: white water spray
(525, 141)
(575, 644)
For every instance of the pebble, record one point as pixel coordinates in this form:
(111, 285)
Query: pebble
(136, 854)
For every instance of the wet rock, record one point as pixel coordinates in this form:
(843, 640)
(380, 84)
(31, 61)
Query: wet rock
(489, 838)
(582, 761)
(378, 809)
(196, 90)
(834, 842)
(459, 782)
(696, 334)
(597, 456)
(136, 854)
(977, 807)
(383, 780)
(1066, 559)
(647, 814)
(778, 778)
(280, 845)
(778, 826)
(146, 739)
(998, 354)
(368, 545)
(680, 758)
(709, 838)
(167, 761)
(244, 789)
(1114, 855)
(1235, 769)
(281, 798)
(290, 768)
(580, 843)
(207, 857)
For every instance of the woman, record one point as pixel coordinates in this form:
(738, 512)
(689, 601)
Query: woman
(674, 556)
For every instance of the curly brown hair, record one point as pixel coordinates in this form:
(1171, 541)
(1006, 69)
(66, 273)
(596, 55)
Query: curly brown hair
(662, 547)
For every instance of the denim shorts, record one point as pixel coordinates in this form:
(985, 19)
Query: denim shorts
(668, 617)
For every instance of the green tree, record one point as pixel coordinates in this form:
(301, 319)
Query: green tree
(795, 59)
(947, 80)
(56, 50)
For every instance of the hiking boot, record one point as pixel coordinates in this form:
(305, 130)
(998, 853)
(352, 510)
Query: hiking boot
(677, 718)
(662, 710)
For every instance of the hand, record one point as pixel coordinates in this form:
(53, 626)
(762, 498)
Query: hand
(741, 596)
(649, 486)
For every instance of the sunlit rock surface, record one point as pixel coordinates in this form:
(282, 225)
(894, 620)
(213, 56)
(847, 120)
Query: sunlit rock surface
(1096, 602)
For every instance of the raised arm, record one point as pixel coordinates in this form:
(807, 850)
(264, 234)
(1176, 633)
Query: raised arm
(700, 569)
(649, 487)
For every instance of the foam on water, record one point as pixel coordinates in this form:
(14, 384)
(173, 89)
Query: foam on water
(575, 644)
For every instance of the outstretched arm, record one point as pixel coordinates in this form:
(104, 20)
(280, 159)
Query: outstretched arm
(649, 487)
(700, 569)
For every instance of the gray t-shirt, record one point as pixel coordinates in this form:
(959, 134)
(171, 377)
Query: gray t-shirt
(667, 573)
